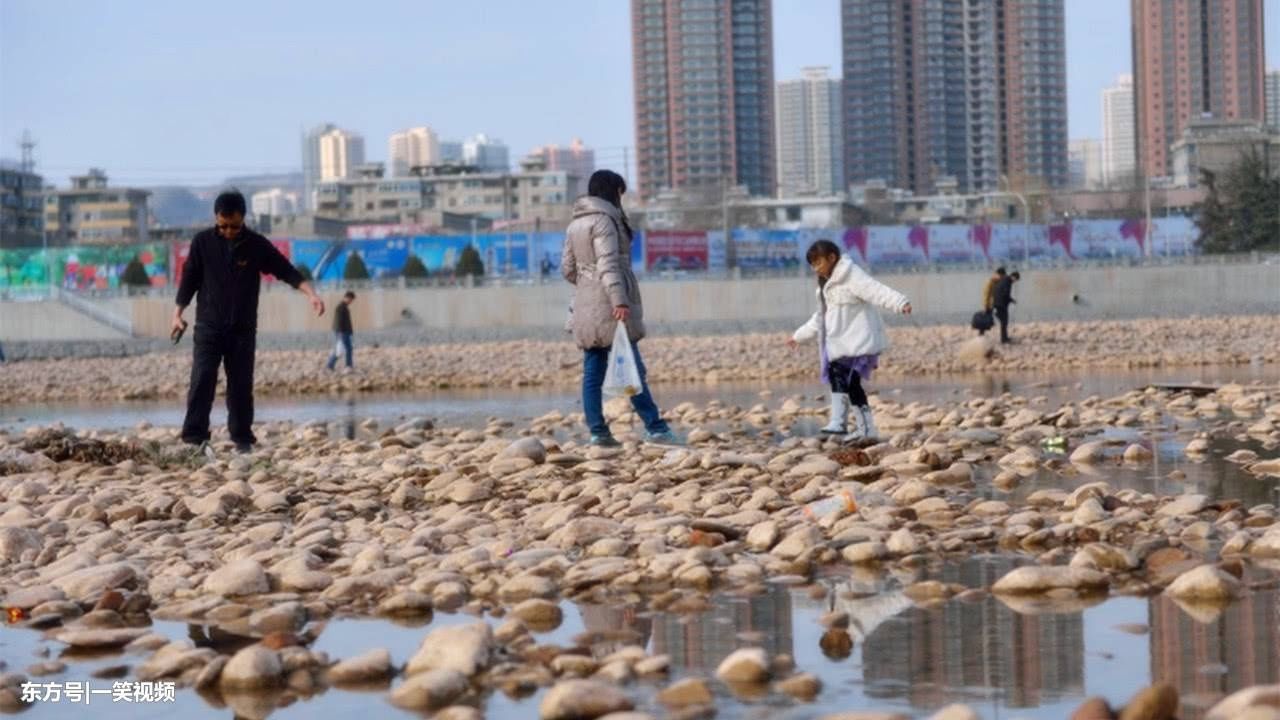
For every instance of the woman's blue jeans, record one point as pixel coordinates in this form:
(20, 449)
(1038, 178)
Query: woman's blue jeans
(595, 361)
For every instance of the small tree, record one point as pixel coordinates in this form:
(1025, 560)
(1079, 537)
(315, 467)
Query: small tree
(355, 269)
(414, 269)
(469, 262)
(305, 272)
(1241, 211)
(135, 275)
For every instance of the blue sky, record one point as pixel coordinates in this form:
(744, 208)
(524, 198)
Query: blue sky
(160, 92)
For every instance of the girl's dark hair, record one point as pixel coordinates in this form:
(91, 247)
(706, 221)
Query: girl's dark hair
(820, 249)
(607, 185)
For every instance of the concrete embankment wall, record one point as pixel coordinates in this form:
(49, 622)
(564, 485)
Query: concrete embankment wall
(674, 306)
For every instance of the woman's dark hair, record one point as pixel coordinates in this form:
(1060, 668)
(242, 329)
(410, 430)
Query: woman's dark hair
(229, 202)
(821, 249)
(607, 185)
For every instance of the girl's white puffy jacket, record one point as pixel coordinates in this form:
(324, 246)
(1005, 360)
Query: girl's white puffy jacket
(854, 326)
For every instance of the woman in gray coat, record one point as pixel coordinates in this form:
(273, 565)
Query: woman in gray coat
(597, 260)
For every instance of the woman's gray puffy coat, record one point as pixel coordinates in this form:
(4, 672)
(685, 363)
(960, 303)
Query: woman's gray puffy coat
(597, 260)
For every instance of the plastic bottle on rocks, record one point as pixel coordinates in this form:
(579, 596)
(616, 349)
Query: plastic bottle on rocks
(843, 501)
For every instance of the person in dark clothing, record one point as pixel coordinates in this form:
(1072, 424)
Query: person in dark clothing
(224, 269)
(1003, 298)
(342, 330)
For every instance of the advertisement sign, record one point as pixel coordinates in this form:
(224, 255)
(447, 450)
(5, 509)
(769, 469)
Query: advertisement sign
(675, 250)
(180, 249)
(92, 267)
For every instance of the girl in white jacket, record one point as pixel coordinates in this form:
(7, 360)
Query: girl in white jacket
(850, 334)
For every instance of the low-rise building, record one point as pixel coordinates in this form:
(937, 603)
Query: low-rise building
(437, 195)
(690, 210)
(275, 202)
(21, 202)
(1216, 145)
(92, 212)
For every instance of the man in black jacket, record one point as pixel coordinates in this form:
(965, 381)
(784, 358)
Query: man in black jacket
(1003, 299)
(342, 330)
(224, 268)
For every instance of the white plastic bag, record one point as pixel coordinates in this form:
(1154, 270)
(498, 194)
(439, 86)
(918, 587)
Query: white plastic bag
(622, 378)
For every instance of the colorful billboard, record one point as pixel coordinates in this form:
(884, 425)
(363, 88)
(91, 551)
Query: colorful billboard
(91, 267)
(675, 250)
(181, 248)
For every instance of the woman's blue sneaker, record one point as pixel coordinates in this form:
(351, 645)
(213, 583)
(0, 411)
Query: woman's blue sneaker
(605, 441)
(666, 437)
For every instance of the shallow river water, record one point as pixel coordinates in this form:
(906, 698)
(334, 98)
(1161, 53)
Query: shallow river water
(1005, 662)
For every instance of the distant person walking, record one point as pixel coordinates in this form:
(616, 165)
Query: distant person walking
(342, 330)
(596, 260)
(224, 269)
(989, 301)
(1003, 298)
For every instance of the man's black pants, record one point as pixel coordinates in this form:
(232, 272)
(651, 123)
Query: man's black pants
(234, 350)
(1002, 314)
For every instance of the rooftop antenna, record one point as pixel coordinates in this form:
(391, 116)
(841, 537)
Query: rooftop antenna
(28, 146)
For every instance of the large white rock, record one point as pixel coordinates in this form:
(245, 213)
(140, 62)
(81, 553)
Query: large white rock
(16, 541)
(1184, 505)
(464, 648)
(1205, 583)
(370, 667)
(746, 665)
(763, 536)
(530, 448)
(583, 700)
(1035, 579)
(1088, 453)
(88, 584)
(430, 690)
(252, 668)
(240, 577)
(804, 538)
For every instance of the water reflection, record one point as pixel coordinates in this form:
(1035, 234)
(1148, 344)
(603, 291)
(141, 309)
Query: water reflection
(1234, 650)
(898, 657)
(698, 643)
(931, 656)
(349, 422)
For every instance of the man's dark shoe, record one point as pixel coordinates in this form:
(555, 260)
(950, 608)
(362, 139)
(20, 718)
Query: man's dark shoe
(604, 441)
(244, 448)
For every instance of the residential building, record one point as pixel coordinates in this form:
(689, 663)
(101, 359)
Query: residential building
(968, 89)
(21, 205)
(341, 152)
(1273, 98)
(488, 155)
(412, 148)
(809, 135)
(703, 82)
(1215, 145)
(1084, 159)
(92, 212)
(1193, 58)
(311, 161)
(543, 197)
(577, 159)
(275, 202)
(450, 152)
(676, 210)
(1119, 158)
